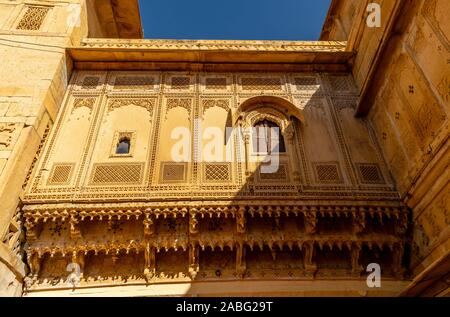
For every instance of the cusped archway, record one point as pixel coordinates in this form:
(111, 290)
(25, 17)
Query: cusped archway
(284, 107)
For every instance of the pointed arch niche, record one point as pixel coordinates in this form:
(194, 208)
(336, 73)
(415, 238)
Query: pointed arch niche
(278, 111)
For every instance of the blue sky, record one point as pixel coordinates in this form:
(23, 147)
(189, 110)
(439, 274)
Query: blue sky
(233, 19)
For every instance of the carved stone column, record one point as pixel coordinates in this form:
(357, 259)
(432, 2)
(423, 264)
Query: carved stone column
(35, 264)
(150, 262)
(241, 265)
(355, 253)
(289, 134)
(33, 229)
(241, 221)
(397, 257)
(194, 266)
(308, 256)
(247, 136)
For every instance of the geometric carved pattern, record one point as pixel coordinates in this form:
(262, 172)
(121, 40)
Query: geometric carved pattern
(221, 103)
(264, 83)
(340, 83)
(33, 18)
(183, 103)
(83, 102)
(180, 82)
(217, 172)
(60, 174)
(90, 82)
(147, 104)
(174, 172)
(279, 175)
(370, 173)
(327, 173)
(117, 173)
(216, 83)
(306, 83)
(134, 82)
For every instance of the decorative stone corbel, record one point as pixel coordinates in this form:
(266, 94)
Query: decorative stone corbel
(359, 221)
(241, 221)
(32, 229)
(149, 226)
(75, 232)
(311, 221)
(308, 255)
(241, 265)
(194, 266)
(150, 262)
(402, 224)
(34, 262)
(193, 222)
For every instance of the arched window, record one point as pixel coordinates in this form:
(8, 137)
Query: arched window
(267, 138)
(123, 146)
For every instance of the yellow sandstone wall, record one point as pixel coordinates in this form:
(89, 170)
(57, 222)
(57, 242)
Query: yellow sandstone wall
(34, 72)
(402, 71)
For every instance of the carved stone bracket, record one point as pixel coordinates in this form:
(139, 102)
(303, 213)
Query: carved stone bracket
(75, 232)
(149, 226)
(311, 221)
(193, 221)
(33, 228)
(402, 223)
(241, 221)
(359, 221)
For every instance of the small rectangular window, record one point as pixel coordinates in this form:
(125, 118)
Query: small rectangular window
(123, 144)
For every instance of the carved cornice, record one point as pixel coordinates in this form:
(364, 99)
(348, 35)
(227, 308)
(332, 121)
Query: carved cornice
(228, 45)
(135, 210)
(207, 55)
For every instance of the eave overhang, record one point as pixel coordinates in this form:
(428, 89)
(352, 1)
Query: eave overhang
(208, 55)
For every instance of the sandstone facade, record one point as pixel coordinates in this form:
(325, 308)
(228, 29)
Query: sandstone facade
(363, 176)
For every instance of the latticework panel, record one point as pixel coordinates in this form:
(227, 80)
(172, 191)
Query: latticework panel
(327, 173)
(60, 174)
(216, 83)
(105, 174)
(340, 83)
(261, 83)
(217, 172)
(370, 174)
(90, 82)
(33, 18)
(306, 83)
(173, 172)
(180, 82)
(279, 175)
(134, 82)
